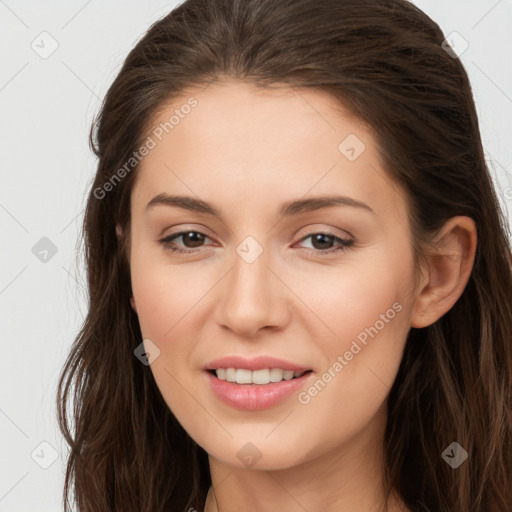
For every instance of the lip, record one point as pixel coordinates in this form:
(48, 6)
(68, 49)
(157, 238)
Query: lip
(257, 363)
(255, 397)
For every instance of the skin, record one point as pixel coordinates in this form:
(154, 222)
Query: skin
(246, 151)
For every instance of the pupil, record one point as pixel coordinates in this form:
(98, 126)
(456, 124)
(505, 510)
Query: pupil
(193, 234)
(319, 237)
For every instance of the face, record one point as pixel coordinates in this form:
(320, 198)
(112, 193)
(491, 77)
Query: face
(321, 287)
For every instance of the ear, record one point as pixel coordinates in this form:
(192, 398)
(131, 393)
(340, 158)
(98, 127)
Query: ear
(449, 268)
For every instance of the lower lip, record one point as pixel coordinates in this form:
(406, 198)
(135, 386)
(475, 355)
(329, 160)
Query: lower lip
(255, 397)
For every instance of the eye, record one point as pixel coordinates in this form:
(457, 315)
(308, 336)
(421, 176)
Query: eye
(322, 243)
(194, 238)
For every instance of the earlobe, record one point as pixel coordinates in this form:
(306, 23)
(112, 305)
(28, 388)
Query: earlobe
(449, 267)
(132, 302)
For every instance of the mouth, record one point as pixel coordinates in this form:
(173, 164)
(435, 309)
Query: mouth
(260, 377)
(256, 390)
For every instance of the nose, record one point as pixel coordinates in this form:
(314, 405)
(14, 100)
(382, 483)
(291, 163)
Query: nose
(252, 297)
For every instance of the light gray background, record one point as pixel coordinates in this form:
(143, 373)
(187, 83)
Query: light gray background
(46, 108)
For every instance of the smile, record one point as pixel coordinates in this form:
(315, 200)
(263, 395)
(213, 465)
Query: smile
(260, 377)
(259, 395)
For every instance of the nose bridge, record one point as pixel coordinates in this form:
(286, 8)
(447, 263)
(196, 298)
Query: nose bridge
(250, 297)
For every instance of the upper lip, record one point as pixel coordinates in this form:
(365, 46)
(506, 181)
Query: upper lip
(257, 363)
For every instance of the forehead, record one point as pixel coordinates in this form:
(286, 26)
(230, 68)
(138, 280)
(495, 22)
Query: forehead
(239, 139)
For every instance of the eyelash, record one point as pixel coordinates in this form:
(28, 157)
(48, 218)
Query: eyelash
(345, 244)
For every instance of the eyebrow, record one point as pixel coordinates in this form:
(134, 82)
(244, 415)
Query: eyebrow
(287, 209)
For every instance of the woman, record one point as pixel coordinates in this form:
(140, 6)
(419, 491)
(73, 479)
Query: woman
(299, 273)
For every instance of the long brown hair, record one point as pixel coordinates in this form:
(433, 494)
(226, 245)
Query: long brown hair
(385, 63)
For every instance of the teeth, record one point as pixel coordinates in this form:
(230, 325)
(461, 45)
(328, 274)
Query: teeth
(243, 376)
(230, 375)
(266, 376)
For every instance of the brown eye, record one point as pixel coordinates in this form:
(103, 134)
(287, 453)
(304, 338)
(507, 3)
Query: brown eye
(190, 240)
(322, 243)
(193, 238)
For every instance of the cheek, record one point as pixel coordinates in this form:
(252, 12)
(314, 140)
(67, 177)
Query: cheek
(367, 312)
(164, 293)
(370, 321)
(358, 298)
(165, 298)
